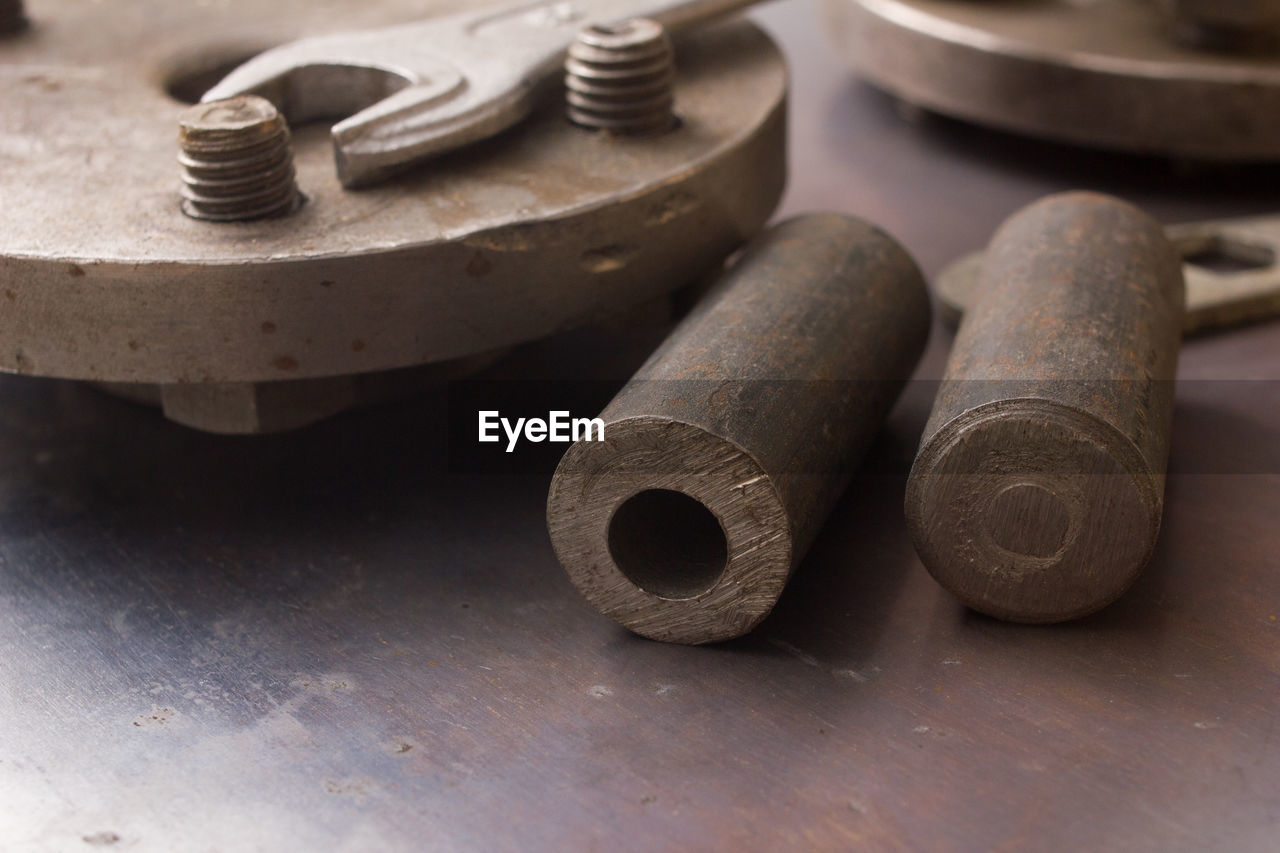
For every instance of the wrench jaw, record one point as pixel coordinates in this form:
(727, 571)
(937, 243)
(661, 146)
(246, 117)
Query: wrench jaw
(329, 77)
(391, 115)
(323, 92)
(421, 122)
(417, 90)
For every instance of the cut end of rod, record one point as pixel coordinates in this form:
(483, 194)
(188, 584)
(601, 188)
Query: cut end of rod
(671, 531)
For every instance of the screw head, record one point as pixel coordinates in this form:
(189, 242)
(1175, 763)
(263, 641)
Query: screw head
(237, 119)
(622, 35)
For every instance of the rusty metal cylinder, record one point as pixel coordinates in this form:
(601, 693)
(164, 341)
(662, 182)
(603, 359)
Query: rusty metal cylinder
(1037, 492)
(726, 452)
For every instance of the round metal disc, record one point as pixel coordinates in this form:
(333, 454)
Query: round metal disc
(545, 227)
(1104, 73)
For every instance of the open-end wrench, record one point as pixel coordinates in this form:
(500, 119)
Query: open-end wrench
(1246, 288)
(424, 88)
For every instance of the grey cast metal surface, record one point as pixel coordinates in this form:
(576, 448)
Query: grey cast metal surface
(547, 227)
(1038, 489)
(759, 406)
(330, 641)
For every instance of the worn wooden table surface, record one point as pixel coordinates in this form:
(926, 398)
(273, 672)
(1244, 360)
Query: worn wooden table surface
(324, 641)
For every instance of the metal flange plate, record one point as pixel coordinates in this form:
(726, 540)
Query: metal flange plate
(103, 278)
(1104, 73)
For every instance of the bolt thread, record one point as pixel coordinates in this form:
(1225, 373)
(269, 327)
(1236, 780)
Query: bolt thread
(622, 78)
(13, 17)
(236, 161)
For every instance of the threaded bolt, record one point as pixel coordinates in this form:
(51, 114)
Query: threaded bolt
(621, 78)
(236, 161)
(12, 16)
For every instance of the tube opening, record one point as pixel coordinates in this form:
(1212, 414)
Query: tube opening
(668, 544)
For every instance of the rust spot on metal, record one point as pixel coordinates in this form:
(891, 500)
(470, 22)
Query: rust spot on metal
(76, 271)
(43, 83)
(285, 363)
(506, 240)
(101, 839)
(357, 346)
(672, 207)
(268, 328)
(607, 258)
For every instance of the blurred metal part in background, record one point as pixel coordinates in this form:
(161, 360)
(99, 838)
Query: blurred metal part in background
(102, 277)
(724, 455)
(13, 17)
(1241, 26)
(1116, 74)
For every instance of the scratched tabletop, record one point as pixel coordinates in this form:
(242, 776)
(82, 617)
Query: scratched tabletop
(335, 640)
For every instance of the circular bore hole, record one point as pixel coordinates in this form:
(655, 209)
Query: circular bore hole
(1029, 520)
(668, 544)
(187, 78)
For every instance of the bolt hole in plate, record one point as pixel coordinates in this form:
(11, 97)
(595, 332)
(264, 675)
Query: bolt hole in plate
(538, 230)
(189, 76)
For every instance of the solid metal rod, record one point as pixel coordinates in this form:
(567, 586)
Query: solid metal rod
(1037, 492)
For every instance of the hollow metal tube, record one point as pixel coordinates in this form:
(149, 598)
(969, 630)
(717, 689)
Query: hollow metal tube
(726, 452)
